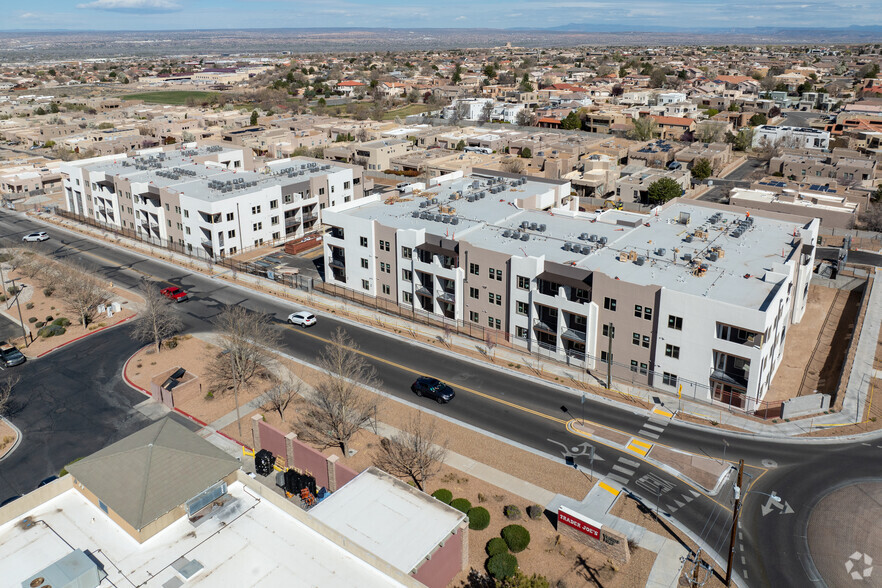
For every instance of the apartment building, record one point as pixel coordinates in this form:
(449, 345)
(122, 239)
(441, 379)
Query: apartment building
(717, 154)
(202, 200)
(634, 183)
(842, 165)
(696, 294)
(372, 155)
(829, 205)
(794, 137)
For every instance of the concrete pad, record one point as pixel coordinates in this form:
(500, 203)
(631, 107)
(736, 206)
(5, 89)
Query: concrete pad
(666, 570)
(152, 409)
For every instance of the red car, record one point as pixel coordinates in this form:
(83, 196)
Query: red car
(174, 293)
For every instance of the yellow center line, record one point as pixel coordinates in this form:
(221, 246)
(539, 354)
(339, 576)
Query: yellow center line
(412, 371)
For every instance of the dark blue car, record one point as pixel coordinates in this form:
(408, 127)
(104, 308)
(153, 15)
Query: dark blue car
(432, 388)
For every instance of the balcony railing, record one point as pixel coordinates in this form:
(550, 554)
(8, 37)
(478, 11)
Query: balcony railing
(574, 335)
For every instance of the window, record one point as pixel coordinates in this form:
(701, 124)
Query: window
(102, 506)
(490, 297)
(384, 245)
(635, 338)
(494, 323)
(186, 230)
(364, 263)
(277, 235)
(406, 275)
(258, 226)
(255, 210)
(230, 216)
(321, 191)
(274, 204)
(473, 316)
(180, 227)
(406, 252)
(607, 329)
(521, 307)
(644, 369)
(474, 268)
(169, 223)
(675, 322)
(523, 282)
(521, 332)
(346, 185)
(386, 289)
(386, 267)
(178, 209)
(365, 284)
(274, 220)
(473, 292)
(495, 273)
(231, 234)
(362, 241)
(672, 351)
(669, 379)
(498, 324)
(638, 311)
(289, 199)
(407, 297)
(498, 300)
(167, 207)
(646, 341)
(647, 313)
(634, 365)
(605, 357)
(186, 214)
(581, 321)
(609, 304)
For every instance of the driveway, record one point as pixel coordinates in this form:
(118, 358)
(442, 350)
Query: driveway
(70, 404)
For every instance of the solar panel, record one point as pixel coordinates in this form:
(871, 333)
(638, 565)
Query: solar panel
(816, 187)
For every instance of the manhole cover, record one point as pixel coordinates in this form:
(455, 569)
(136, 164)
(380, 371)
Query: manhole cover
(770, 463)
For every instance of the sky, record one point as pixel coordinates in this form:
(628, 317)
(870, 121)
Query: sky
(236, 14)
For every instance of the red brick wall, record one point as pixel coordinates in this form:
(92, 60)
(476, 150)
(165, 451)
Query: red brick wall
(271, 439)
(445, 563)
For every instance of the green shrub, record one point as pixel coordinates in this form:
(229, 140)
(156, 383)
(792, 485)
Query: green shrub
(47, 291)
(496, 545)
(511, 512)
(172, 343)
(535, 512)
(61, 322)
(37, 323)
(502, 566)
(33, 319)
(479, 518)
(13, 290)
(443, 494)
(461, 504)
(50, 318)
(29, 305)
(51, 331)
(516, 537)
(2, 297)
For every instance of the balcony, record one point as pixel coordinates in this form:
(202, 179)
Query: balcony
(311, 217)
(337, 261)
(732, 379)
(548, 288)
(292, 221)
(423, 291)
(546, 326)
(334, 233)
(574, 335)
(207, 243)
(447, 296)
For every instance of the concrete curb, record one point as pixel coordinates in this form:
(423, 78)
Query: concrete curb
(18, 437)
(83, 336)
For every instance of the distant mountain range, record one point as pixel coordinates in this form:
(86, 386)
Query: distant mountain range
(587, 27)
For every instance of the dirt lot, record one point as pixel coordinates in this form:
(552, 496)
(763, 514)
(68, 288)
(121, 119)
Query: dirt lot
(37, 305)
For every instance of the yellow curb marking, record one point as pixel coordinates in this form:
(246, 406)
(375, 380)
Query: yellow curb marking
(663, 412)
(608, 488)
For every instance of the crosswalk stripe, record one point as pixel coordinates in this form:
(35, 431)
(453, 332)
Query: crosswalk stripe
(624, 470)
(618, 478)
(630, 462)
(649, 434)
(641, 443)
(653, 428)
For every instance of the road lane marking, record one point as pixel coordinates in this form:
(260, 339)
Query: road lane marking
(649, 434)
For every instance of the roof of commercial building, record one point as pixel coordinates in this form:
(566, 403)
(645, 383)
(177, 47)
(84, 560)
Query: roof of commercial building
(246, 542)
(495, 222)
(152, 471)
(382, 514)
(806, 201)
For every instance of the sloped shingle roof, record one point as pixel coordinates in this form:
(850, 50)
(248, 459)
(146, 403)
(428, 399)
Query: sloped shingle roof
(153, 471)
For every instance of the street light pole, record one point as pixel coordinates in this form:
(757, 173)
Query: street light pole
(609, 339)
(24, 329)
(735, 513)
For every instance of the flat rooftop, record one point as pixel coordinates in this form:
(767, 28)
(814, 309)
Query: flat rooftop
(208, 182)
(496, 223)
(247, 542)
(387, 517)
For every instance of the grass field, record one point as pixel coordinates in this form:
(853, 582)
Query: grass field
(177, 97)
(407, 111)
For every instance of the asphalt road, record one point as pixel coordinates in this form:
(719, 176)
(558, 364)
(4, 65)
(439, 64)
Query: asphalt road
(720, 191)
(529, 412)
(70, 404)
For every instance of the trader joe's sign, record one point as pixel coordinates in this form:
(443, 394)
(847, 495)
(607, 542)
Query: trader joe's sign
(578, 522)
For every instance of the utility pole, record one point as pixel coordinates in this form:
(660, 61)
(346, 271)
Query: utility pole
(609, 339)
(24, 329)
(735, 513)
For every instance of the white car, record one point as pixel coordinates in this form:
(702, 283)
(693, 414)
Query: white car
(38, 236)
(302, 318)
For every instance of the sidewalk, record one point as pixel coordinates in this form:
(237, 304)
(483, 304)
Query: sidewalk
(852, 411)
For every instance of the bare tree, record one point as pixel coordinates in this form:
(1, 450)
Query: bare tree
(6, 387)
(643, 128)
(486, 112)
(524, 118)
(157, 322)
(245, 337)
(81, 291)
(710, 132)
(340, 405)
(512, 165)
(414, 452)
(282, 394)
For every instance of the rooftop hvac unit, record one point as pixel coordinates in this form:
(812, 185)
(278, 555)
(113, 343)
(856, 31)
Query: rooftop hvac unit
(688, 238)
(454, 220)
(661, 251)
(424, 204)
(471, 198)
(415, 214)
(525, 224)
(592, 238)
(525, 237)
(425, 215)
(602, 240)
(568, 246)
(506, 233)
(586, 249)
(438, 218)
(687, 257)
(434, 201)
(534, 226)
(712, 256)
(482, 195)
(542, 228)
(640, 260)
(584, 236)
(445, 219)
(76, 569)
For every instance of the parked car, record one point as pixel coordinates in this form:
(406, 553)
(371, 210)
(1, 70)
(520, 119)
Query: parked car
(36, 236)
(10, 499)
(10, 357)
(48, 480)
(302, 318)
(174, 294)
(433, 388)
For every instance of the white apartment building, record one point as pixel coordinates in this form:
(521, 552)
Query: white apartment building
(792, 137)
(695, 294)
